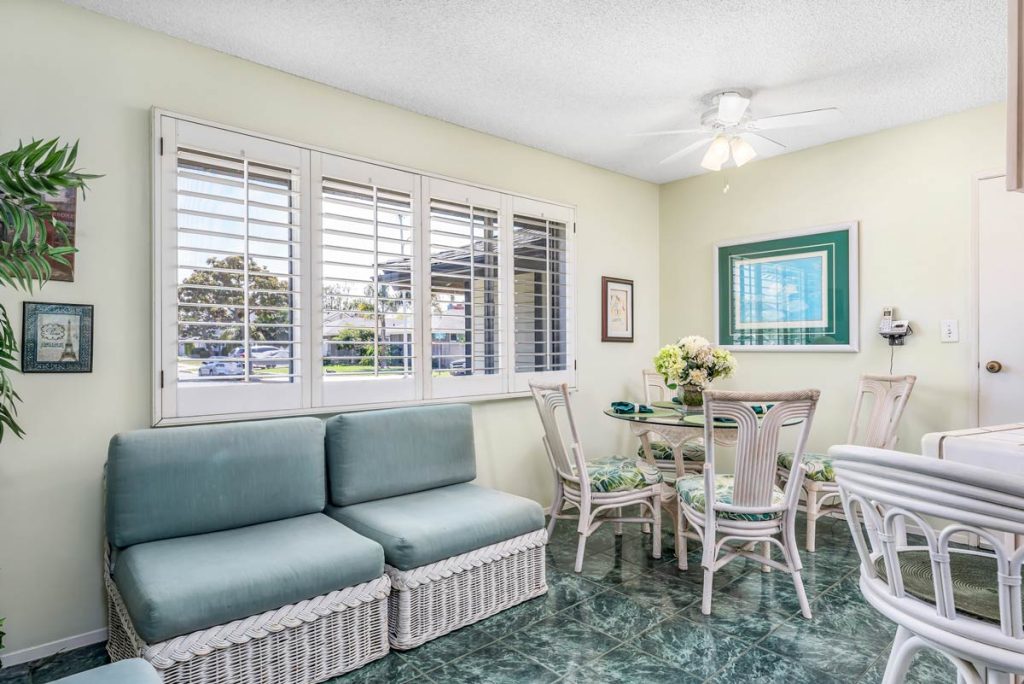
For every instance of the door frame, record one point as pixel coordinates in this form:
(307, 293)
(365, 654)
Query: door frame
(974, 294)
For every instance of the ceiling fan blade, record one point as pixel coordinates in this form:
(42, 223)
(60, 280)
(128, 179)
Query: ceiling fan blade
(686, 150)
(813, 117)
(765, 138)
(732, 107)
(676, 131)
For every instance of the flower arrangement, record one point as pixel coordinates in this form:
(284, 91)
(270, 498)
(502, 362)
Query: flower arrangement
(690, 365)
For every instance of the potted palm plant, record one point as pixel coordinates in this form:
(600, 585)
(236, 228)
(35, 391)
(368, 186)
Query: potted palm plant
(28, 175)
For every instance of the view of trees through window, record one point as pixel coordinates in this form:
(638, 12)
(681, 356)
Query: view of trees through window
(237, 262)
(292, 278)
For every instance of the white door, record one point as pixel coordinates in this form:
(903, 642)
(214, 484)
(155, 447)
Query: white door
(1000, 303)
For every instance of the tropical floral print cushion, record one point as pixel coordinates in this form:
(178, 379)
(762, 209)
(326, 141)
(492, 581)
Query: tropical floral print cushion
(691, 491)
(619, 474)
(816, 467)
(692, 451)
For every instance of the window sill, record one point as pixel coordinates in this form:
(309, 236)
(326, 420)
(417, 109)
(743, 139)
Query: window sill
(332, 410)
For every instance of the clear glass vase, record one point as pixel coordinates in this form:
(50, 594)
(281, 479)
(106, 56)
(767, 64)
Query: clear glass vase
(691, 396)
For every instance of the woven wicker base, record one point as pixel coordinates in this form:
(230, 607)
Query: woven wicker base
(432, 600)
(310, 641)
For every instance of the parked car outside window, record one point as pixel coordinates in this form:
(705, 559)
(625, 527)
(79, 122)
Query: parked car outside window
(221, 368)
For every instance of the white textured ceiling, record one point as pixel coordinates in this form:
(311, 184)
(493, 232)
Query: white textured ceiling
(574, 77)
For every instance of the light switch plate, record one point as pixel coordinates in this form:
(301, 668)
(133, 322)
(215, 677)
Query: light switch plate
(950, 330)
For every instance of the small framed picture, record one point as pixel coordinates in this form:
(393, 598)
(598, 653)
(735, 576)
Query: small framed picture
(56, 338)
(617, 310)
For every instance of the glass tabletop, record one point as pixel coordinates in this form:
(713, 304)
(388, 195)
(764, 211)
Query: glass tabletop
(667, 413)
(660, 416)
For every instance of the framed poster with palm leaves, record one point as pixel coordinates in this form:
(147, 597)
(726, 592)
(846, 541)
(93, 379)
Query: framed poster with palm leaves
(793, 291)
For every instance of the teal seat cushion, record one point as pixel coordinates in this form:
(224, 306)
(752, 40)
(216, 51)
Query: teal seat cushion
(131, 671)
(425, 527)
(381, 454)
(817, 467)
(619, 474)
(175, 482)
(177, 586)
(692, 451)
(691, 492)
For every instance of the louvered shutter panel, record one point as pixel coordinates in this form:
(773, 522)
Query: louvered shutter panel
(292, 280)
(368, 318)
(234, 224)
(543, 286)
(466, 290)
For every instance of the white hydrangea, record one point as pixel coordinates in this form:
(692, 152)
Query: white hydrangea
(698, 377)
(693, 344)
(693, 361)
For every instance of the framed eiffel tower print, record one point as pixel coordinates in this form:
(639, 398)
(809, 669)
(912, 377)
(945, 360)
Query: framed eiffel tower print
(56, 338)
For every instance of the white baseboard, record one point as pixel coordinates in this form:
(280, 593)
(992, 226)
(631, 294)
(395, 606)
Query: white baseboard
(27, 655)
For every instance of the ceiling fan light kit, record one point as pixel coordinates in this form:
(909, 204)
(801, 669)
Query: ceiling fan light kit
(742, 151)
(717, 154)
(729, 126)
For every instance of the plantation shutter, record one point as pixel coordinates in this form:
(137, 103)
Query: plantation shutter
(293, 281)
(368, 347)
(233, 223)
(466, 290)
(543, 283)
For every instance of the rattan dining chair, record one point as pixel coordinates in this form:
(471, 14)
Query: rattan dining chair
(963, 602)
(598, 490)
(888, 395)
(741, 512)
(655, 389)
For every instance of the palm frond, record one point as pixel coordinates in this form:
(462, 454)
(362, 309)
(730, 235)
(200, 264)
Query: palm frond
(27, 175)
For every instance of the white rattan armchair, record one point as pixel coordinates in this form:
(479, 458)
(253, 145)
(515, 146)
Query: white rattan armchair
(888, 395)
(573, 482)
(963, 602)
(737, 513)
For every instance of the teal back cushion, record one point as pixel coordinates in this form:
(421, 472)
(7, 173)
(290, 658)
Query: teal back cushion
(377, 454)
(174, 482)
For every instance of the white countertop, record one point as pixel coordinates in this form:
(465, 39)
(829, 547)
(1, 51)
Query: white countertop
(1000, 447)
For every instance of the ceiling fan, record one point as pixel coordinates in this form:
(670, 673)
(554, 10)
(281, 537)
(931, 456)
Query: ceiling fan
(729, 127)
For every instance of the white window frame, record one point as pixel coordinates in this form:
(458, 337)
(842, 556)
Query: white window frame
(566, 215)
(469, 385)
(355, 393)
(313, 399)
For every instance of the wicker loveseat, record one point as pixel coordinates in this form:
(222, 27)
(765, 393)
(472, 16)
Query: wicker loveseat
(222, 566)
(455, 552)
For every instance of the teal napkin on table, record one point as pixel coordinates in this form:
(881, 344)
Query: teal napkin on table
(630, 407)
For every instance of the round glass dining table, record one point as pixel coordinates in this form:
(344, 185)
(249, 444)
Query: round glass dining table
(676, 425)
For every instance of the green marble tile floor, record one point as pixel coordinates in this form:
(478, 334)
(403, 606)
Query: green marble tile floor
(628, 618)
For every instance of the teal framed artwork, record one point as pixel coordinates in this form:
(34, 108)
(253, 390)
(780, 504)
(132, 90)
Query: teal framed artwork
(794, 291)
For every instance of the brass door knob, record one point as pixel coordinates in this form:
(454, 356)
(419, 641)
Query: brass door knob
(993, 366)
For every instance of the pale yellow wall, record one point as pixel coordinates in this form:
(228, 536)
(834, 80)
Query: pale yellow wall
(910, 189)
(75, 74)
